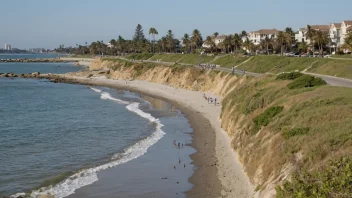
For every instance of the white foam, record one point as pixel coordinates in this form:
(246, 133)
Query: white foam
(96, 90)
(89, 176)
(107, 96)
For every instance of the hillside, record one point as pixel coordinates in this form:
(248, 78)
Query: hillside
(279, 133)
(260, 64)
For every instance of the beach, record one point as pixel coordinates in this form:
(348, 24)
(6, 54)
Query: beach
(219, 173)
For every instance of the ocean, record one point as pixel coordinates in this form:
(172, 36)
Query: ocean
(82, 141)
(30, 56)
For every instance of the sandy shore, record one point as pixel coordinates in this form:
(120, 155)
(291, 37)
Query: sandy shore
(219, 174)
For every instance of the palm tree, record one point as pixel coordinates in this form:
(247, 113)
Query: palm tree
(216, 34)
(153, 32)
(227, 43)
(302, 46)
(170, 40)
(196, 39)
(348, 42)
(210, 42)
(113, 44)
(290, 37)
(281, 38)
(310, 34)
(321, 38)
(236, 41)
(266, 43)
(186, 42)
(243, 34)
(248, 45)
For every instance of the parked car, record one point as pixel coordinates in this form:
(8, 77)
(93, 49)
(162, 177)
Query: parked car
(297, 54)
(327, 56)
(305, 55)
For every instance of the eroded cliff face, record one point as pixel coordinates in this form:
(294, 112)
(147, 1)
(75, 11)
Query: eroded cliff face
(234, 122)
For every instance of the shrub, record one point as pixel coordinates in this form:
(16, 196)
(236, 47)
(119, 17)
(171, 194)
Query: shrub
(295, 132)
(306, 81)
(335, 180)
(289, 76)
(265, 118)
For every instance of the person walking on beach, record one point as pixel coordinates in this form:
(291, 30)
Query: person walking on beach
(233, 70)
(215, 101)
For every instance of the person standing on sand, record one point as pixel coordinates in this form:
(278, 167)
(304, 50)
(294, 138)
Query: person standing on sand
(215, 101)
(233, 70)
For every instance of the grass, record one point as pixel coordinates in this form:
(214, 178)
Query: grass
(333, 67)
(332, 181)
(172, 57)
(315, 124)
(228, 61)
(195, 59)
(143, 56)
(276, 64)
(342, 56)
(295, 132)
(157, 57)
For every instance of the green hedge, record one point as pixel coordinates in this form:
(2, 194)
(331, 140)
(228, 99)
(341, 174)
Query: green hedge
(306, 81)
(265, 118)
(289, 76)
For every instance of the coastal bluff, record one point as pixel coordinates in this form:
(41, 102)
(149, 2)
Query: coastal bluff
(276, 131)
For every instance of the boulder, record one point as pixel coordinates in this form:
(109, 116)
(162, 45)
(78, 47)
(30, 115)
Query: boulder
(36, 73)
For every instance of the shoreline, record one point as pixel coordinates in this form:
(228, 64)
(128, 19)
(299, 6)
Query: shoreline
(219, 173)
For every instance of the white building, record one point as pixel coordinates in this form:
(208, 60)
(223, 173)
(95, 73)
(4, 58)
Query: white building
(258, 36)
(301, 35)
(216, 40)
(8, 47)
(335, 35)
(346, 27)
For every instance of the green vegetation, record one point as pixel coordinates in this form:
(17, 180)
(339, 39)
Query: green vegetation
(333, 67)
(228, 61)
(333, 181)
(264, 118)
(276, 64)
(195, 59)
(306, 81)
(172, 57)
(314, 128)
(157, 57)
(144, 56)
(289, 76)
(295, 131)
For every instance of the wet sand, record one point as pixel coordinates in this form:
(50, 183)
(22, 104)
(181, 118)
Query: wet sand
(219, 173)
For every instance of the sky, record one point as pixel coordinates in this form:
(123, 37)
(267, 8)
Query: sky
(49, 23)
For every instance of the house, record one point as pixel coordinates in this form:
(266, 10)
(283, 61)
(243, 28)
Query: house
(301, 35)
(258, 36)
(346, 27)
(335, 35)
(216, 40)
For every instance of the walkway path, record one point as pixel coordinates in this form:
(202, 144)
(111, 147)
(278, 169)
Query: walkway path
(331, 80)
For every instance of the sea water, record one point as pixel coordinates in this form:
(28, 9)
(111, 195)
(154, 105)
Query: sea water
(62, 136)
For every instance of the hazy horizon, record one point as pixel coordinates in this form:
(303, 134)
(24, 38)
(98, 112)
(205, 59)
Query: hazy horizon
(34, 24)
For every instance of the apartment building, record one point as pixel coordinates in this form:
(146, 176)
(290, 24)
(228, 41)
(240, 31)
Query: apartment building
(257, 36)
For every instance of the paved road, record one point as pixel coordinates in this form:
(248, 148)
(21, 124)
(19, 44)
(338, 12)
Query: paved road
(331, 80)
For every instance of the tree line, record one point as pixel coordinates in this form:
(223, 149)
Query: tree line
(193, 43)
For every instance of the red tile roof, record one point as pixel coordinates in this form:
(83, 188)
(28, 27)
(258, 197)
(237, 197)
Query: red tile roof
(348, 22)
(337, 25)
